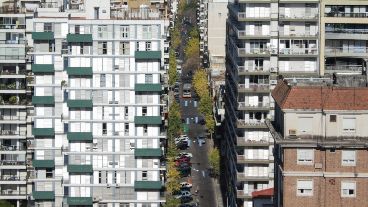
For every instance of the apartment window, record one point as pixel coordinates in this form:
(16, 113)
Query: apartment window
(148, 78)
(147, 32)
(99, 177)
(115, 179)
(348, 124)
(332, 118)
(124, 31)
(304, 188)
(126, 111)
(126, 129)
(145, 129)
(49, 173)
(102, 31)
(348, 189)
(102, 80)
(305, 125)
(124, 48)
(137, 46)
(258, 64)
(144, 110)
(97, 12)
(104, 128)
(102, 48)
(77, 29)
(102, 205)
(47, 27)
(305, 156)
(124, 205)
(144, 175)
(348, 157)
(148, 46)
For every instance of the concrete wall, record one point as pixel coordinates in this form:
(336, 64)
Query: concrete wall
(217, 14)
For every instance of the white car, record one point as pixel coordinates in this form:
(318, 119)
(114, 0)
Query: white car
(185, 185)
(181, 138)
(186, 154)
(182, 194)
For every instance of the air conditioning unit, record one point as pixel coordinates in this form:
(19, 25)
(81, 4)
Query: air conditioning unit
(273, 70)
(318, 165)
(117, 186)
(108, 186)
(274, 51)
(273, 82)
(95, 199)
(292, 132)
(116, 133)
(116, 67)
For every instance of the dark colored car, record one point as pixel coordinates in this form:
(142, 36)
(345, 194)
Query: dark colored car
(202, 122)
(182, 145)
(186, 199)
(178, 163)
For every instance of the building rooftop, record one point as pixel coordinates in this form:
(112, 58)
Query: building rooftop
(320, 97)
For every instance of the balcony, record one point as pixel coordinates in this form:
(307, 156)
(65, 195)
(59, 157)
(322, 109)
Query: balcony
(80, 136)
(43, 195)
(154, 120)
(292, 34)
(43, 163)
(147, 153)
(254, 87)
(346, 14)
(241, 194)
(243, 34)
(242, 16)
(80, 103)
(12, 180)
(72, 38)
(11, 148)
(12, 164)
(79, 201)
(241, 159)
(246, 178)
(43, 100)
(246, 142)
(355, 52)
(251, 124)
(147, 55)
(298, 52)
(147, 185)
(43, 36)
(43, 132)
(253, 52)
(344, 68)
(80, 168)
(79, 71)
(42, 68)
(298, 17)
(10, 194)
(252, 107)
(147, 87)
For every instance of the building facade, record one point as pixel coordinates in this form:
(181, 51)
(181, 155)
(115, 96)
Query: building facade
(320, 145)
(92, 129)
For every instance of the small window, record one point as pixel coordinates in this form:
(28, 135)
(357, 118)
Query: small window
(124, 48)
(104, 128)
(348, 124)
(99, 177)
(124, 31)
(47, 27)
(144, 175)
(304, 188)
(126, 111)
(148, 78)
(148, 46)
(102, 31)
(126, 129)
(144, 110)
(77, 29)
(102, 48)
(145, 129)
(49, 173)
(332, 118)
(348, 189)
(124, 205)
(305, 156)
(137, 46)
(348, 157)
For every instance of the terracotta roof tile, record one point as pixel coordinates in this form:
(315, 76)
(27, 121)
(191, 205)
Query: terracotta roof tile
(320, 97)
(263, 193)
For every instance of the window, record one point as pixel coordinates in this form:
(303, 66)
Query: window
(144, 175)
(97, 12)
(77, 29)
(147, 32)
(99, 177)
(348, 124)
(104, 128)
(137, 46)
(102, 31)
(126, 111)
(102, 48)
(124, 205)
(348, 157)
(124, 31)
(305, 125)
(148, 46)
(126, 129)
(145, 129)
(304, 188)
(148, 78)
(49, 173)
(124, 48)
(332, 118)
(144, 110)
(102, 80)
(305, 156)
(47, 27)
(348, 189)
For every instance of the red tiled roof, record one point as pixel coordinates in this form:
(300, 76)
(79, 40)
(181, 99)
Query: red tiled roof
(320, 97)
(263, 193)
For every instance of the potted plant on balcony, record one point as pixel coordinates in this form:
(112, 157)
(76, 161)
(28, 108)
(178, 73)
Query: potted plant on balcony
(11, 86)
(13, 100)
(63, 83)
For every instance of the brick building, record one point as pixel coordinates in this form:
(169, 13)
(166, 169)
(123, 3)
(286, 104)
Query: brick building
(321, 145)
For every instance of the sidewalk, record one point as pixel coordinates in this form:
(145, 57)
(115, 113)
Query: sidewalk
(216, 185)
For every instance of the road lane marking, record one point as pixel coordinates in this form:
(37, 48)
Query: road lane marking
(195, 104)
(203, 173)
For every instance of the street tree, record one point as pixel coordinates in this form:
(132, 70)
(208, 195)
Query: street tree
(171, 201)
(200, 82)
(175, 36)
(192, 48)
(173, 177)
(210, 123)
(205, 105)
(174, 121)
(173, 75)
(214, 160)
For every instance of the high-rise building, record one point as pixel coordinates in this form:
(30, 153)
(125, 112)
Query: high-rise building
(92, 129)
(320, 145)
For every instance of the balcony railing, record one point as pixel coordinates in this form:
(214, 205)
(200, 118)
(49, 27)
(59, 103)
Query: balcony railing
(355, 68)
(242, 141)
(12, 26)
(298, 16)
(136, 14)
(12, 178)
(298, 51)
(12, 57)
(243, 159)
(12, 192)
(12, 148)
(255, 106)
(10, 132)
(253, 51)
(347, 14)
(251, 123)
(243, 15)
(346, 50)
(255, 86)
(12, 162)
(13, 72)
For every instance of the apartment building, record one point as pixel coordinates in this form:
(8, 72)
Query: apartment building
(264, 39)
(320, 145)
(344, 36)
(14, 103)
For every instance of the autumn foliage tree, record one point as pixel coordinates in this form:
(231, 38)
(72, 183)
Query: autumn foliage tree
(173, 75)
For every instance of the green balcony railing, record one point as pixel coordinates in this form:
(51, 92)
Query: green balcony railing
(79, 103)
(79, 37)
(80, 136)
(80, 168)
(42, 68)
(79, 71)
(147, 185)
(43, 195)
(79, 201)
(43, 132)
(147, 55)
(147, 120)
(43, 35)
(147, 87)
(43, 163)
(45, 100)
(147, 152)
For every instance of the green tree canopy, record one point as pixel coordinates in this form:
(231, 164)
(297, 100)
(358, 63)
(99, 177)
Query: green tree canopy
(173, 75)
(214, 160)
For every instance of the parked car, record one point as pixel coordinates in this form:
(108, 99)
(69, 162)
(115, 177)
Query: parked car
(179, 164)
(186, 199)
(180, 139)
(183, 193)
(182, 159)
(182, 145)
(201, 140)
(202, 122)
(185, 185)
(186, 154)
